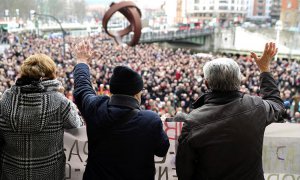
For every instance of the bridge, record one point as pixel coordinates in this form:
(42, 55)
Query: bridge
(199, 37)
(193, 36)
(235, 41)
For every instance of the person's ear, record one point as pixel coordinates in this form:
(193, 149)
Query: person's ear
(206, 83)
(138, 97)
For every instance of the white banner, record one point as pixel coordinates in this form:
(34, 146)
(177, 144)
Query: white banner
(281, 152)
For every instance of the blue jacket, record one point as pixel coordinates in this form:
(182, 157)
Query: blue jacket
(122, 138)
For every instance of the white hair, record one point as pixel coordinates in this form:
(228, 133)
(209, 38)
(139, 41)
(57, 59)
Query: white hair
(222, 74)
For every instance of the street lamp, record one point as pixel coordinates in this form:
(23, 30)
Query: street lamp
(6, 13)
(278, 28)
(17, 13)
(18, 17)
(61, 28)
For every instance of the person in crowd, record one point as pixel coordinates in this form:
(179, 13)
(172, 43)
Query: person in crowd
(123, 139)
(34, 114)
(296, 119)
(223, 137)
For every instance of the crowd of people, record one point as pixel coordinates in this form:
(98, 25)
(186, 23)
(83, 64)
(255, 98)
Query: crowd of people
(173, 78)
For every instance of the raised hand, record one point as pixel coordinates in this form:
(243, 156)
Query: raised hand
(83, 52)
(263, 62)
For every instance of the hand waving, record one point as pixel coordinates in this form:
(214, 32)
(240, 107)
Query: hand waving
(263, 62)
(83, 52)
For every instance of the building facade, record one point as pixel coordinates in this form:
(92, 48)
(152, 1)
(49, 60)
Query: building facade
(275, 10)
(259, 10)
(221, 10)
(290, 14)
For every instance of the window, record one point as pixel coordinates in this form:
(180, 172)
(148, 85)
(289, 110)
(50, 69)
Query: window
(223, 7)
(196, 8)
(289, 4)
(211, 8)
(232, 8)
(232, 1)
(259, 14)
(204, 7)
(196, 1)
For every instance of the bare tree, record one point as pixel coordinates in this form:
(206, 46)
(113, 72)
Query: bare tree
(61, 9)
(79, 9)
(24, 7)
(56, 8)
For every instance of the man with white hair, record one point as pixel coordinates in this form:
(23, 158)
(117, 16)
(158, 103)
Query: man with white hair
(223, 137)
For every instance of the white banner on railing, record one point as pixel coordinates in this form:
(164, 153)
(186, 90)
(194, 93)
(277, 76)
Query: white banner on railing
(281, 152)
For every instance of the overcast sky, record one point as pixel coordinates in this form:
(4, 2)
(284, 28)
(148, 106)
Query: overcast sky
(144, 3)
(104, 2)
(170, 6)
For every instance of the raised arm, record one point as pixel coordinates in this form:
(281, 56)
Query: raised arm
(84, 93)
(268, 87)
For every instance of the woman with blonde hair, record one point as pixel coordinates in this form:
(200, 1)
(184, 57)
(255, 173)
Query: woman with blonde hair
(33, 116)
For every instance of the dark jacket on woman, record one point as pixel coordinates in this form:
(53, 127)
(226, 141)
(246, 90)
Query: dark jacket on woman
(122, 138)
(223, 138)
(32, 120)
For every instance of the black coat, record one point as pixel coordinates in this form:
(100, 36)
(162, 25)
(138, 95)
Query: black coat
(122, 139)
(223, 138)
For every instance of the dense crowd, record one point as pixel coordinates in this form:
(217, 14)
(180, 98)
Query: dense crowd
(173, 79)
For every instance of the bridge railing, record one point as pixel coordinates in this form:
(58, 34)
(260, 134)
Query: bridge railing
(169, 35)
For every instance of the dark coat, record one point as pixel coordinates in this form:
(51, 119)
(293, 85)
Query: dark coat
(223, 138)
(122, 138)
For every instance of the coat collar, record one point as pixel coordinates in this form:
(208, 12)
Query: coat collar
(217, 97)
(36, 86)
(124, 100)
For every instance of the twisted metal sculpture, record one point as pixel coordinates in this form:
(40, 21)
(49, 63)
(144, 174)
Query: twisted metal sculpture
(132, 14)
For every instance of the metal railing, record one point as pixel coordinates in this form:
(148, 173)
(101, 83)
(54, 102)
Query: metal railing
(148, 37)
